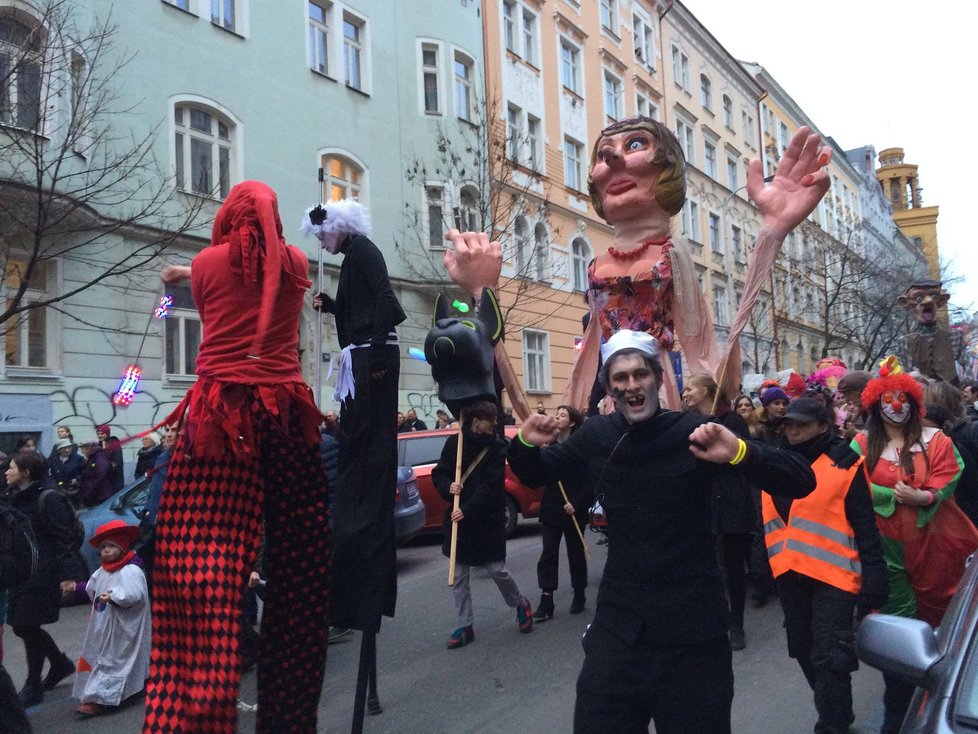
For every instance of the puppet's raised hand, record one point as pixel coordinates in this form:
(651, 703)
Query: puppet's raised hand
(473, 263)
(798, 185)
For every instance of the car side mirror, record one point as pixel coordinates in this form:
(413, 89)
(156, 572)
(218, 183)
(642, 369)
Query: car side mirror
(898, 645)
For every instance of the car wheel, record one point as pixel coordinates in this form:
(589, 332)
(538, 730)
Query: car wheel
(512, 515)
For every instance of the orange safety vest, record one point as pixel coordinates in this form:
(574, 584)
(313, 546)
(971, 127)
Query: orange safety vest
(818, 540)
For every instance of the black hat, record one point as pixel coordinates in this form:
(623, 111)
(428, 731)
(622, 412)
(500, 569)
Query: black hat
(805, 410)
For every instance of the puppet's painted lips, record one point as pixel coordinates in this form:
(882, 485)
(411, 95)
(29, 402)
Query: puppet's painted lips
(928, 312)
(620, 186)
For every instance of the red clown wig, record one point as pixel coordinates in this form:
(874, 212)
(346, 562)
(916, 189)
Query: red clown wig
(893, 383)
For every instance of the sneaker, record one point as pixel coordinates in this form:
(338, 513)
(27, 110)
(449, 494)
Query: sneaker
(59, 670)
(524, 615)
(737, 639)
(461, 637)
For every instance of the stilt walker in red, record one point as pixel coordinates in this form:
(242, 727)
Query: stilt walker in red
(247, 458)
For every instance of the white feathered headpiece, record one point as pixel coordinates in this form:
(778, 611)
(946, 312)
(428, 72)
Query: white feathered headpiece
(346, 216)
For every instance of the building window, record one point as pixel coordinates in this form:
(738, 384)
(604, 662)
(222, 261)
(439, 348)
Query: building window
(732, 178)
(26, 334)
(728, 115)
(429, 78)
(463, 87)
(469, 205)
(706, 92)
(573, 164)
(609, 15)
(737, 242)
(533, 143)
(644, 40)
(680, 68)
(720, 305)
(783, 136)
(353, 31)
(203, 141)
(715, 243)
(536, 361)
(691, 220)
(570, 65)
(644, 107)
(612, 96)
(182, 4)
(342, 178)
(580, 258)
(319, 37)
(434, 197)
(21, 58)
(181, 334)
(529, 36)
(710, 159)
(684, 132)
(522, 244)
(223, 13)
(514, 131)
(509, 25)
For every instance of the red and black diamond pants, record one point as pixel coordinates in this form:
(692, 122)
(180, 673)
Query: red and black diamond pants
(208, 533)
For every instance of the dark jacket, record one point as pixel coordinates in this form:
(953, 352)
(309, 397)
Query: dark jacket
(580, 494)
(96, 482)
(733, 505)
(482, 533)
(965, 438)
(146, 460)
(859, 513)
(661, 580)
(366, 308)
(63, 472)
(38, 600)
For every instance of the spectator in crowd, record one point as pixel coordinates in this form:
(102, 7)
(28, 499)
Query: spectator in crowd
(13, 718)
(330, 424)
(147, 454)
(744, 407)
(145, 544)
(414, 423)
(95, 482)
(945, 411)
(774, 404)
(442, 419)
(508, 418)
(969, 396)
(37, 601)
(113, 448)
(25, 443)
(66, 466)
(63, 432)
(402, 427)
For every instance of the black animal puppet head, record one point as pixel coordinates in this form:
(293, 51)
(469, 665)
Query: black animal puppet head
(460, 351)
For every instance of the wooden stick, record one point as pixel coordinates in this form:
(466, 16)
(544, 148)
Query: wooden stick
(455, 503)
(577, 526)
(510, 382)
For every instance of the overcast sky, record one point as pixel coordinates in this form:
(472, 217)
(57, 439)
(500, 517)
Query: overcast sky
(886, 74)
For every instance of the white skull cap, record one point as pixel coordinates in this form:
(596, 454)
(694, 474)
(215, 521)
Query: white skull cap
(627, 339)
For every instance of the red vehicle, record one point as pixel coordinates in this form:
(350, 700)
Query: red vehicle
(421, 450)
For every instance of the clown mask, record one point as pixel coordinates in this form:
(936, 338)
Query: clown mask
(895, 407)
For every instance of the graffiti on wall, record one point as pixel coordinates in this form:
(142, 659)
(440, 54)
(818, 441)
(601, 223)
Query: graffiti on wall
(93, 406)
(424, 404)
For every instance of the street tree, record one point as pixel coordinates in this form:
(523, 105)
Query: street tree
(79, 182)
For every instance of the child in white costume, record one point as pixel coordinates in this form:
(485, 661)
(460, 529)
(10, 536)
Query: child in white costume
(114, 662)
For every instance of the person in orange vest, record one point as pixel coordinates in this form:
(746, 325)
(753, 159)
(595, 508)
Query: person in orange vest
(827, 559)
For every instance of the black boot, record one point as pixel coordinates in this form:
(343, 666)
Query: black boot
(577, 605)
(61, 668)
(545, 609)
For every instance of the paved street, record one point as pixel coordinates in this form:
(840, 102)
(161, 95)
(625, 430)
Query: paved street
(503, 682)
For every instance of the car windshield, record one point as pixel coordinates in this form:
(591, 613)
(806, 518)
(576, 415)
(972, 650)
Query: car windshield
(425, 450)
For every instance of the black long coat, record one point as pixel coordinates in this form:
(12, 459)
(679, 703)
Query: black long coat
(38, 600)
(734, 510)
(482, 533)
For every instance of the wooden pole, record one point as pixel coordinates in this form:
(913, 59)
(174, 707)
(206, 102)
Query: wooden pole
(577, 526)
(456, 501)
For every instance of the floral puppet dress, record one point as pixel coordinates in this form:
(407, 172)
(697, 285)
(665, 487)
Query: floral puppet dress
(925, 547)
(639, 303)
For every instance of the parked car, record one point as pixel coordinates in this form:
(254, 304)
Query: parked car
(943, 664)
(421, 450)
(128, 503)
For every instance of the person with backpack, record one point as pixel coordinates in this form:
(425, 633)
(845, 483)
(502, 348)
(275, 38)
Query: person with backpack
(18, 556)
(37, 601)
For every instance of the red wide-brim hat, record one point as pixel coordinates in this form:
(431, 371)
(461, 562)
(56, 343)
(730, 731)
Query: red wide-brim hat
(115, 531)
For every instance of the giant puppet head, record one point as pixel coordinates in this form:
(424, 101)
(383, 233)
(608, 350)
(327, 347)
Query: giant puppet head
(925, 298)
(460, 351)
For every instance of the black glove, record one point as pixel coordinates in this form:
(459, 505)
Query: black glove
(874, 590)
(329, 305)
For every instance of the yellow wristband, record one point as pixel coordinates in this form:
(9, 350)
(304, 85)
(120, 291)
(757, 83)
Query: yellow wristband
(741, 452)
(519, 435)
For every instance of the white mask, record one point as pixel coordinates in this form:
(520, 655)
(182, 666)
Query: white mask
(895, 416)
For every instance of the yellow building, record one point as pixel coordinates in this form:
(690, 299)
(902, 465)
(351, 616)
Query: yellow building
(901, 185)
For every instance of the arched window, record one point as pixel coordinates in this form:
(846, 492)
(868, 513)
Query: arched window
(541, 250)
(203, 150)
(580, 257)
(706, 92)
(520, 232)
(21, 55)
(342, 178)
